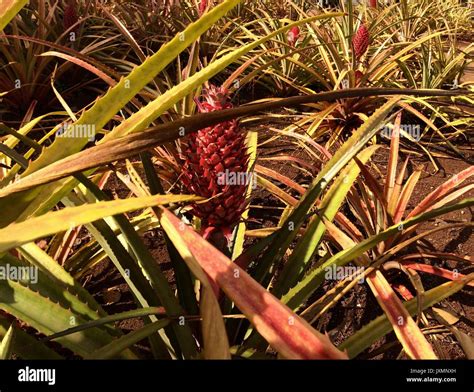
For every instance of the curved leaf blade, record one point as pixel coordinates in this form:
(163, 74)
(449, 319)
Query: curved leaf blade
(286, 332)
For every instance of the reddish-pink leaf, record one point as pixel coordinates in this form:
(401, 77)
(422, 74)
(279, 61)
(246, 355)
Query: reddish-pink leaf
(403, 291)
(412, 339)
(281, 178)
(286, 332)
(405, 196)
(427, 203)
(430, 269)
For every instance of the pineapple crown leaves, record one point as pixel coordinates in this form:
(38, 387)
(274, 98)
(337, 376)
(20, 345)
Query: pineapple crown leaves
(214, 98)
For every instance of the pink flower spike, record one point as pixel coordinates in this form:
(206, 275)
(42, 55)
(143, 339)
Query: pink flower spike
(293, 35)
(202, 7)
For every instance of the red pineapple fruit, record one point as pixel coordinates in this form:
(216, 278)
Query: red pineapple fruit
(214, 158)
(70, 14)
(202, 7)
(293, 35)
(361, 41)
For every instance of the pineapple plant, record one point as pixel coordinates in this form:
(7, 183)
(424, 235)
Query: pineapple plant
(213, 158)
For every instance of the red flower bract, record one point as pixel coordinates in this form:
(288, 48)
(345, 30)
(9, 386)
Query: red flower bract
(215, 162)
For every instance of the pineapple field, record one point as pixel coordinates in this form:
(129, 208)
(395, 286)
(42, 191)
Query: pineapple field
(235, 179)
